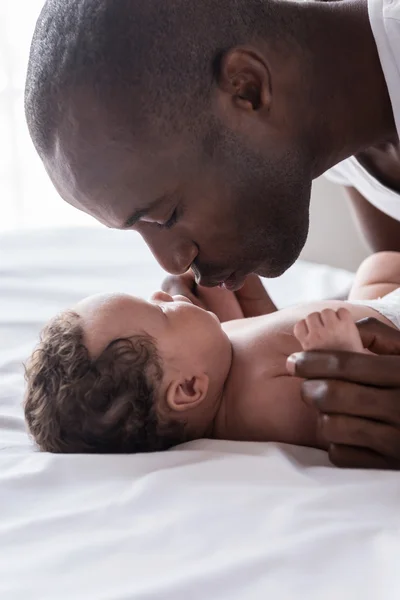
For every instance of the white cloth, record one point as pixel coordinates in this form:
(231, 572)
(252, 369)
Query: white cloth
(384, 17)
(388, 306)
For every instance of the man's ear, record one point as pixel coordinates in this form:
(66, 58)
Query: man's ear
(244, 75)
(185, 394)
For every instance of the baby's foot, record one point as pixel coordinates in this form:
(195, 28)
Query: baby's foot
(329, 330)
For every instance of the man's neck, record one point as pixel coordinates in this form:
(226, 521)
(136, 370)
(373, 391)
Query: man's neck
(350, 88)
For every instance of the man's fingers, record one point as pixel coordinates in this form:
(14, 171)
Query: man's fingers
(332, 396)
(351, 457)
(351, 431)
(366, 369)
(378, 337)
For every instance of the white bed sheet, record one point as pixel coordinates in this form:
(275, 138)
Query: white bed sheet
(219, 520)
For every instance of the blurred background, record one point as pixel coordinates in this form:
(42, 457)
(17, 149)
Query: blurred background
(28, 200)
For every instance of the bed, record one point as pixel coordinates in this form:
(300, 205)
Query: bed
(207, 520)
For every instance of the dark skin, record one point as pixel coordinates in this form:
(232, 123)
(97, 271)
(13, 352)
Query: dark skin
(380, 231)
(244, 208)
(221, 215)
(358, 397)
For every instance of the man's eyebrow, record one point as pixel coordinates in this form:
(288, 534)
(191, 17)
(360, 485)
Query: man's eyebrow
(138, 214)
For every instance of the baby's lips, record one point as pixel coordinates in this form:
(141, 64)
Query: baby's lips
(233, 283)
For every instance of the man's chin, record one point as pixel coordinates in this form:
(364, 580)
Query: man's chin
(273, 269)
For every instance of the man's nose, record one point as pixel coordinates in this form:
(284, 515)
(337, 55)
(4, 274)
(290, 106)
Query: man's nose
(174, 257)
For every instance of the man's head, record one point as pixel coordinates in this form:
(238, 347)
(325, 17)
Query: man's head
(189, 121)
(118, 374)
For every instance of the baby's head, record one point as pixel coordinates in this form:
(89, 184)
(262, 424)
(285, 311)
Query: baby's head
(119, 374)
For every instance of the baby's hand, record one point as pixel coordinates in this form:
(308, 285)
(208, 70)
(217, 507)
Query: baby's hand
(219, 301)
(251, 300)
(183, 285)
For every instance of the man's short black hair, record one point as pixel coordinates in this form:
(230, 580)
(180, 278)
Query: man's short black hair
(148, 60)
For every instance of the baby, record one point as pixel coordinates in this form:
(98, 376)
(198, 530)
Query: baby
(119, 374)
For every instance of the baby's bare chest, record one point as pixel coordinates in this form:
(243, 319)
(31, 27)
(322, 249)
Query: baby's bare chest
(261, 349)
(259, 360)
(264, 401)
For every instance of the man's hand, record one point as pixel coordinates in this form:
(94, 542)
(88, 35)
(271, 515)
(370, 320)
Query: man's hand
(358, 397)
(250, 301)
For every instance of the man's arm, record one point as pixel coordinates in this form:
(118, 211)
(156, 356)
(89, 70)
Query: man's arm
(379, 230)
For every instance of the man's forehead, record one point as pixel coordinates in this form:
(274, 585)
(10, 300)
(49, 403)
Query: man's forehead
(107, 175)
(110, 190)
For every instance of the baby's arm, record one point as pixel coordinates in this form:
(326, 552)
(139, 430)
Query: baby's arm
(221, 302)
(252, 300)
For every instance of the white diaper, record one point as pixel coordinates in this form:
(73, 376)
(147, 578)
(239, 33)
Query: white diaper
(388, 306)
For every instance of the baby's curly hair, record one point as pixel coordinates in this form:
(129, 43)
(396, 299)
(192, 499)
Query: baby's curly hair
(108, 404)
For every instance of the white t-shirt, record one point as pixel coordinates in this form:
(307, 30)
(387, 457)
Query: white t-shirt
(384, 16)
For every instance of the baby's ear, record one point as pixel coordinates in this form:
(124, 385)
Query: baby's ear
(185, 394)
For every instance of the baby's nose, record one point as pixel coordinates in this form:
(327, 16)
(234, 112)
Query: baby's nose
(161, 297)
(179, 298)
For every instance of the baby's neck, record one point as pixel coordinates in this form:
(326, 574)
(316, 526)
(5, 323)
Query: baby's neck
(221, 403)
(213, 412)
(239, 332)
(219, 422)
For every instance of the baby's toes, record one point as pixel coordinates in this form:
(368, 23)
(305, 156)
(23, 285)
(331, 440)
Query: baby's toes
(330, 318)
(345, 316)
(301, 330)
(314, 322)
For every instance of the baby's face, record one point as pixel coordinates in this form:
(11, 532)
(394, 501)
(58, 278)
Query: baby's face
(183, 333)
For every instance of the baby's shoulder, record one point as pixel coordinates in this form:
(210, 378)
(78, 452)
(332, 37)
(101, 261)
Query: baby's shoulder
(262, 344)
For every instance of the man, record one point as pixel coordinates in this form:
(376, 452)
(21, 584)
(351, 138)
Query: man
(202, 124)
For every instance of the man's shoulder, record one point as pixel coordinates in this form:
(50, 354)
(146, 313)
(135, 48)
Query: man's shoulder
(383, 163)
